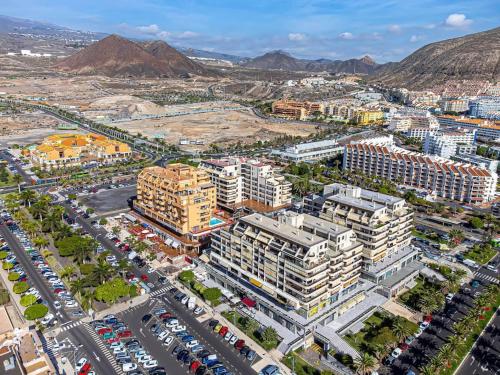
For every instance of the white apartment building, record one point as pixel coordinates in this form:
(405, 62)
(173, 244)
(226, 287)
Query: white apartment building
(454, 104)
(238, 180)
(485, 107)
(311, 151)
(381, 222)
(403, 123)
(486, 129)
(447, 143)
(299, 263)
(443, 177)
(489, 164)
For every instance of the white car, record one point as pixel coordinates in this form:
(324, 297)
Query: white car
(144, 359)
(116, 345)
(127, 367)
(396, 353)
(81, 362)
(150, 270)
(57, 305)
(228, 336)
(233, 340)
(163, 335)
(184, 300)
(449, 297)
(168, 341)
(419, 332)
(150, 364)
(192, 344)
(424, 325)
(173, 323)
(178, 328)
(46, 320)
(198, 310)
(119, 350)
(491, 267)
(71, 303)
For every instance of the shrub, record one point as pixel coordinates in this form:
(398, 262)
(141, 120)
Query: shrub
(7, 266)
(21, 287)
(87, 268)
(36, 311)
(4, 296)
(112, 290)
(212, 294)
(13, 276)
(186, 276)
(134, 292)
(3, 255)
(27, 300)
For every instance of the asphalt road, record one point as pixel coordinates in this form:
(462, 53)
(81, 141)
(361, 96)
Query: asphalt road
(109, 200)
(484, 357)
(428, 344)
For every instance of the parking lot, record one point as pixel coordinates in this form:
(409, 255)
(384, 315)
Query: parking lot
(109, 200)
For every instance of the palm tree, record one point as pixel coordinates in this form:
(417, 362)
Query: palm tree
(427, 370)
(40, 242)
(400, 329)
(447, 354)
(28, 196)
(12, 202)
(31, 227)
(455, 341)
(17, 178)
(58, 210)
(364, 364)
(63, 232)
(102, 272)
(39, 209)
(67, 272)
(78, 287)
(436, 363)
(123, 266)
(51, 222)
(87, 299)
(426, 304)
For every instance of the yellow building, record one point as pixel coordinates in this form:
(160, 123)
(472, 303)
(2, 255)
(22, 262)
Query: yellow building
(69, 150)
(180, 197)
(294, 110)
(369, 117)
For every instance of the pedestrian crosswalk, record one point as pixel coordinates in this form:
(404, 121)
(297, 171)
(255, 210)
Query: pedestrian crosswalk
(489, 278)
(161, 291)
(70, 325)
(104, 350)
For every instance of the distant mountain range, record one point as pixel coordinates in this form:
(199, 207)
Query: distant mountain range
(115, 56)
(473, 56)
(280, 60)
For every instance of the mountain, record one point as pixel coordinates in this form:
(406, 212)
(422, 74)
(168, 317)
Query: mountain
(192, 52)
(474, 56)
(283, 61)
(115, 56)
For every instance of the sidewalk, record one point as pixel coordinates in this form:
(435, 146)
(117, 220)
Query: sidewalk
(119, 307)
(15, 299)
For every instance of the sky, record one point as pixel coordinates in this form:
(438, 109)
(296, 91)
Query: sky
(386, 30)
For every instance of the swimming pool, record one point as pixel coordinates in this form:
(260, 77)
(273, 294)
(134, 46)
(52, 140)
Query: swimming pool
(215, 221)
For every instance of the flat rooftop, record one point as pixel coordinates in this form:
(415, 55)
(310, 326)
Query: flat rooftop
(316, 222)
(356, 202)
(283, 230)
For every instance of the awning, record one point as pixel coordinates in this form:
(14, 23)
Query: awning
(255, 282)
(248, 302)
(168, 242)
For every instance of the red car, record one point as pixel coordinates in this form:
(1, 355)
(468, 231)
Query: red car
(223, 331)
(125, 334)
(194, 366)
(144, 277)
(428, 318)
(112, 340)
(102, 331)
(85, 369)
(404, 346)
(165, 315)
(58, 290)
(239, 344)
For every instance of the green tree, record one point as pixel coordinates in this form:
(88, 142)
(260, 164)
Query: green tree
(36, 311)
(78, 287)
(364, 364)
(40, 242)
(18, 179)
(186, 276)
(102, 272)
(212, 294)
(112, 290)
(67, 272)
(13, 276)
(27, 300)
(270, 335)
(28, 196)
(400, 329)
(476, 223)
(249, 325)
(20, 287)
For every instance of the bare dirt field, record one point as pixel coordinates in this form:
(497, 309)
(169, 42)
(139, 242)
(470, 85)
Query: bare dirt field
(215, 127)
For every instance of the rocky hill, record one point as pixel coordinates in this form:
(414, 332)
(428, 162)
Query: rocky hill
(279, 60)
(115, 56)
(176, 62)
(474, 56)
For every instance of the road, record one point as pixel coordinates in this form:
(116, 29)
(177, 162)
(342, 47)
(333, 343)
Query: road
(428, 344)
(83, 343)
(484, 357)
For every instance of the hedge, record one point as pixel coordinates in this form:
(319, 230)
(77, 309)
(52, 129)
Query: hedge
(27, 300)
(36, 311)
(4, 296)
(21, 287)
(13, 276)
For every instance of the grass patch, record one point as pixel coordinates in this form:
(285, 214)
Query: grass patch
(254, 334)
(481, 254)
(294, 361)
(443, 270)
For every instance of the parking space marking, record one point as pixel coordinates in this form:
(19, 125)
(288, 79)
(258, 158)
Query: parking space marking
(70, 325)
(111, 359)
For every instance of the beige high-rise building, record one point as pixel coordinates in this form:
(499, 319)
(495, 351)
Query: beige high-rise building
(381, 222)
(179, 196)
(300, 261)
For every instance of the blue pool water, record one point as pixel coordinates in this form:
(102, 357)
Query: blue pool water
(214, 221)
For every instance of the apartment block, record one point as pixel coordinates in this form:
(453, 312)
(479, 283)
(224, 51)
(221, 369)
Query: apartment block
(369, 117)
(304, 152)
(414, 126)
(485, 107)
(487, 129)
(454, 104)
(291, 109)
(447, 143)
(381, 222)
(76, 150)
(240, 181)
(179, 197)
(300, 262)
(448, 179)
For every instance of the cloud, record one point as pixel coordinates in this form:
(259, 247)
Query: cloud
(457, 20)
(297, 37)
(187, 35)
(164, 34)
(394, 28)
(149, 29)
(346, 36)
(416, 38)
